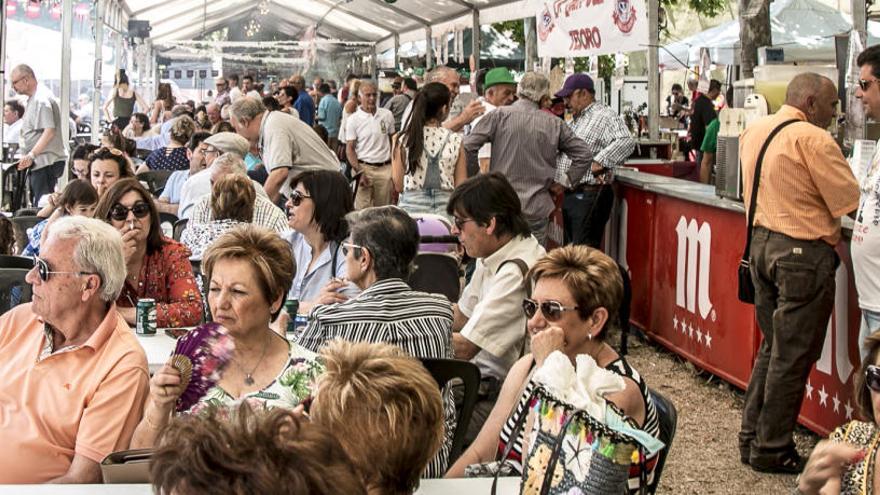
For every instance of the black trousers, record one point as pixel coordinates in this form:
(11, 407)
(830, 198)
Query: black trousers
(585, 213)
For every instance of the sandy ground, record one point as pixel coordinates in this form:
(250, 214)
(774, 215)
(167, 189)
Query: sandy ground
(704, 458)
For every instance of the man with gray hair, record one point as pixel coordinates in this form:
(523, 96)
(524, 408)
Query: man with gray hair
(42, 144)
(368, 133)
(379, 258)
(288, 145)
(304, 104)
(525, 145)
(266, 214)
(450, 78)
(73, 377)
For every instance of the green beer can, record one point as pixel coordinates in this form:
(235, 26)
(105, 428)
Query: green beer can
(146, 317)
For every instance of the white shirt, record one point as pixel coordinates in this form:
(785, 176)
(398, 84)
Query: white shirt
(865, 246)
(234, 94)
(492, 301)
(11, 133)
(371, 132)
(486, 150)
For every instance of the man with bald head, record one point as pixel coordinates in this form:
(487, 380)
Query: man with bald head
(805, 187)
(368, 131)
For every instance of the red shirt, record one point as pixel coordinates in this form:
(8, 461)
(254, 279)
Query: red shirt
(167, 277)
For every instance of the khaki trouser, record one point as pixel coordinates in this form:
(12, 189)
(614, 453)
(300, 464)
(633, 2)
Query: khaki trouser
(378, 191)
(794, 295)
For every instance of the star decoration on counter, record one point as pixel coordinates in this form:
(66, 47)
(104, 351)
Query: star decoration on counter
(809, 390)
(823, 396)
(836, 403)
(849, 410)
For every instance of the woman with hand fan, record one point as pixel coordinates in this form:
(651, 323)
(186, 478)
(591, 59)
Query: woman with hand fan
(249, 270)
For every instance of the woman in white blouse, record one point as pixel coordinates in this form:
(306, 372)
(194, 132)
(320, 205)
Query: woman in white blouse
(428, 160)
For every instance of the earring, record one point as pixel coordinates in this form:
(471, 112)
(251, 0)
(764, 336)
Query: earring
(590, 336)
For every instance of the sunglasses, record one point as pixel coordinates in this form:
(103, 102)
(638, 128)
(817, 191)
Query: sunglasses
(459, 222)
(347, 245)
(120, 213)
(866, 84)
(872, 377)
(43, 270)
(552, 310)
(296, 198)
(113, 151)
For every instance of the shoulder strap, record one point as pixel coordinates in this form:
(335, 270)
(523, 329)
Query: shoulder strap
(333, 259)
(757, 179)
(442, 147)
(523, 268)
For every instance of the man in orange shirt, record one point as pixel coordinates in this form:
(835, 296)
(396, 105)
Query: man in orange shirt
(805, 187)
(73, 378)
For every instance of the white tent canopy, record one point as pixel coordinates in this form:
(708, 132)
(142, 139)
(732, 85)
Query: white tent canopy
(804, 29)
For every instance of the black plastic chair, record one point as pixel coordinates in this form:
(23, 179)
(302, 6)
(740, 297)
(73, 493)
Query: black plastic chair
(179, 227)
(668, 417)
(14, 290)
(169, 218)
(437, 273)
(26, 212)
(445, 370)
(11, 261)
(20, 226)
(155, 180)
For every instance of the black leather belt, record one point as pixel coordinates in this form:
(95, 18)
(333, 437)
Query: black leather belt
(377, 164)
(585, 188)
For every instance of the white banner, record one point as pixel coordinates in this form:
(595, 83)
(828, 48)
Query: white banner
(579, 28)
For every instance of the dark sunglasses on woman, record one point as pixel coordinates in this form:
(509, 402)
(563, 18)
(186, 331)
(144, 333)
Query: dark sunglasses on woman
(872, 377)
(120, 213)
(552, 310)
(296, 198)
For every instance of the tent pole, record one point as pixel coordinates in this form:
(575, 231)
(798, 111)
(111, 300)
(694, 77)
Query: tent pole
(860, 19)
(96, 78)
(475, 38)
(66, 36)
(653, 69)
(429, 49)
(531, 35)
(2, 83)
(396, 52)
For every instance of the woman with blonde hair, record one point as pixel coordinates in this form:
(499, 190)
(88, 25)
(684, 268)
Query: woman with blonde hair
(173, 156)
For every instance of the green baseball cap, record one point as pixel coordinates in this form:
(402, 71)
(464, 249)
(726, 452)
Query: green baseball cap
(498, 75)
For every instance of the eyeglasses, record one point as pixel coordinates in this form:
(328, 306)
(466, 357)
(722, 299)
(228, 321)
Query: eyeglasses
(872, 377)
(120, 212)
(459, 222)
(20, 79)
(43, 270)
(296, 198)
(865, 84)
(347, 245)
(552, 310)
(211, 151)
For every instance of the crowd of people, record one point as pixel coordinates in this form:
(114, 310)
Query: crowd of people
(317, 195)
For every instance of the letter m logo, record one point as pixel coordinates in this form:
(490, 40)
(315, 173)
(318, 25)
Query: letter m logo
(692, 266)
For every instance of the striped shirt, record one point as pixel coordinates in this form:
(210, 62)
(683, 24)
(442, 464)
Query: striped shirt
(650, 426)
(266, 214)
(609, 140)
(390, 311)
(525, 145)
(806, 184)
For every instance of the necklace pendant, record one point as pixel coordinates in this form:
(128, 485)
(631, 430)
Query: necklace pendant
(248, 380)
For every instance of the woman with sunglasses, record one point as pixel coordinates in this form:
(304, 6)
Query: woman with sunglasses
(575, 300)
(316, 212)
(848, 459)
(157, 267)
(79, 198)
(107, 166)
(428, 159)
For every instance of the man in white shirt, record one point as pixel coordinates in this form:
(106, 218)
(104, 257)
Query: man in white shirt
(490, 326)
(369, 132)
(13, 111)
(288, 146)
(866, 233)
(499, 91)
(234, 91)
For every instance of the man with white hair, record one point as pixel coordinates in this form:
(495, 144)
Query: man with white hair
(450, 78)
(368, 132)
(213, 112)
(73, 377)
(288, 145)
(266, 214)
(525, 144)
(199, 184)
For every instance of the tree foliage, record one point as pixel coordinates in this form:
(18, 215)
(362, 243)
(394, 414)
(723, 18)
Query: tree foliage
(514, 29)
(706, 8)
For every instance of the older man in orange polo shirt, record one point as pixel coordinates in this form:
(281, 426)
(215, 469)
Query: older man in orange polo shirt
(73, 378)
(805, 187)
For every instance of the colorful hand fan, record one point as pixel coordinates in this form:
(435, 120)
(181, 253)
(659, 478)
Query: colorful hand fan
(200, 356)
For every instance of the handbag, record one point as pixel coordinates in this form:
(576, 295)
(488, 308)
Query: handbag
(746, 292)
(570, 451)
(127, 466)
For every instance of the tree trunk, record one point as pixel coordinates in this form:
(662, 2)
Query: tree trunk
(531, 36)
(754, 32)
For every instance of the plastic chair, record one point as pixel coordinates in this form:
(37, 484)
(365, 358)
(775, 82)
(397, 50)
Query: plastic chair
(14, 290)
(155, 180)
(20, 226)
(179, 227)
(26, 212)
(11, 261)
(169, 218)
(668, 417)
(437, 273)
(445, 370)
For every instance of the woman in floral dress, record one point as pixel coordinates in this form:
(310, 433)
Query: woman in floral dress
(248, 270)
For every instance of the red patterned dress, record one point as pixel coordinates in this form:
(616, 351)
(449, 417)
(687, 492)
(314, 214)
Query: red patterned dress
(167, 277)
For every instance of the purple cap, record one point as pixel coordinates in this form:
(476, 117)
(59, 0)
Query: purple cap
(575, 81)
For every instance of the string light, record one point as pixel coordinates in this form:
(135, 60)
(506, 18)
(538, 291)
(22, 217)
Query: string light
(252, 28)
(263, 7)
